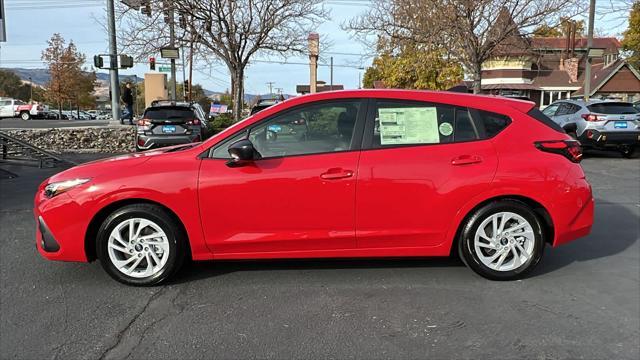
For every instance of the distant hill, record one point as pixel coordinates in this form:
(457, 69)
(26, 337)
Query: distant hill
(41, 77)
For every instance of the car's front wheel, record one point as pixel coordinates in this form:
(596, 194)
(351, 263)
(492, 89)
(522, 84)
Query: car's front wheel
(25, 115)
(503, 240)
(141, 244)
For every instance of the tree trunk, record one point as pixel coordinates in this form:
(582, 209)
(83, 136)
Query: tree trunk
(237, 90)
(477, 79)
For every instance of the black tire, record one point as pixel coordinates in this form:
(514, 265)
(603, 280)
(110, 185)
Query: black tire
(175, 235)
(628, 152)
(467, 235)
(25, 115)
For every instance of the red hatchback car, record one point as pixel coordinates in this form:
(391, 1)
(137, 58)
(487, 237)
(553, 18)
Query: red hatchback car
(366, 173)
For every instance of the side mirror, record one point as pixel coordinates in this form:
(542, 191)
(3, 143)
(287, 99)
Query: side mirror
(242, 152)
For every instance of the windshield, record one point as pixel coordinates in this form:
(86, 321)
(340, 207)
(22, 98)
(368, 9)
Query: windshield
(613, 108)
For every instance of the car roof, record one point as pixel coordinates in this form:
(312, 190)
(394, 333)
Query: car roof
(171, 103)
(590, 102)
(445, 97)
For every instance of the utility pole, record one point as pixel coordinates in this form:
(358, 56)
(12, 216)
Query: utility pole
(172, 43)
(587, 70)
(30, 89)
(314, 51)
(113, 62)
(191, 70)
(184, 74)
(331, 75)
(270, 84)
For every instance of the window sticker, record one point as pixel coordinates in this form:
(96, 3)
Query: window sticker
(407, 125)
(445, 129)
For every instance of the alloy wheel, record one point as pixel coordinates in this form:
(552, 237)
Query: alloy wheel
(138, 247)
(504, 241)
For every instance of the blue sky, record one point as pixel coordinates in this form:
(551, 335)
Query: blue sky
(29, 26)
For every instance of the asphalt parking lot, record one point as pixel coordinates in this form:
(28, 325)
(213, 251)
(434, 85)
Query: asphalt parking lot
(583, 300)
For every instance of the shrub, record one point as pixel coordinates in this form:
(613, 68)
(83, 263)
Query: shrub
(220, 122)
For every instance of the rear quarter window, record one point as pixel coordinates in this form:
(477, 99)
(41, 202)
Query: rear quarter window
(493, 123)
(613, 108)
(538, 115)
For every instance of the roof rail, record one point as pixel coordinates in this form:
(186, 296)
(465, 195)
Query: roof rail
(171, 102)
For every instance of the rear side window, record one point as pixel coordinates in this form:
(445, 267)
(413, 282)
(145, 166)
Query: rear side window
(412, 123)
(538, 115)
(612, 108)
(161, 113)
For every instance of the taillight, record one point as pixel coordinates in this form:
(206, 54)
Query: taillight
(144, 122)
(592, 117)
(193, 122)
(570, 149)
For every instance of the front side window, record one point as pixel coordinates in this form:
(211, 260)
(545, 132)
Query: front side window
(313, 129)
(399, 123)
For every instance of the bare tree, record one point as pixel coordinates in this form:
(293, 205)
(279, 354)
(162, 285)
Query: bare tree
(232, 31)
(471, 31)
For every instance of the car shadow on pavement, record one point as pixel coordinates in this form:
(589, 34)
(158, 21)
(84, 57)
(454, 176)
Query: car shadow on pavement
(612, 233)
(615, 229)
(199, 270)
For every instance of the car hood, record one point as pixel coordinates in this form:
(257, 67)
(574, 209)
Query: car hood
(112, 165)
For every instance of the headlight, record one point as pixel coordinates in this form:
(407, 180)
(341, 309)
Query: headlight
(58, 188)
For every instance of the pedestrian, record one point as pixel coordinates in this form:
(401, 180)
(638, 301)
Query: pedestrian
(127, 98)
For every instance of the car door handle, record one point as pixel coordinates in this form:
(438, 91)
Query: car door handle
(336, 173)
(466, 160)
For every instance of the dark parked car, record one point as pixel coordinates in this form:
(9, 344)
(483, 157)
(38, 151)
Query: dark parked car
(263, 104)
(167, 123)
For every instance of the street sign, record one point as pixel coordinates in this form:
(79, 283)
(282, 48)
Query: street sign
(164, 68)
(169, 53)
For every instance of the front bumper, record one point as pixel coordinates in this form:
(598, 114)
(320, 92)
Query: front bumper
(604, 139)
(59, 228)
(47, 242)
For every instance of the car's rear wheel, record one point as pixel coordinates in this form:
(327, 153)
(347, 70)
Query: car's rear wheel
(141, 244)
(502, 240)
(25, 115)
(628, 151)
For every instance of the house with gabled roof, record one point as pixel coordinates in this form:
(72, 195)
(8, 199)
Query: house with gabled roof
(546, 69)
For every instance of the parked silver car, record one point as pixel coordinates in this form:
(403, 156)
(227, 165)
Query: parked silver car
(600, 124)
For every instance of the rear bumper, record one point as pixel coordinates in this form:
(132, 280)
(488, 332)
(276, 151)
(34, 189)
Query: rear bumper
(146, 142)
(572, 208)
(603, 139)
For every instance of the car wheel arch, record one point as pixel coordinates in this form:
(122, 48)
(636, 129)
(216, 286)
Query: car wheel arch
(541, 211)
(100, 216)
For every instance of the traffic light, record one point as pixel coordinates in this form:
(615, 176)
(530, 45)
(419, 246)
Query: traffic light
(126, 61)
(186, 88)
(98, 62)
(145, 9)
(152, 63)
